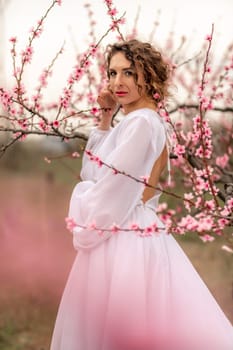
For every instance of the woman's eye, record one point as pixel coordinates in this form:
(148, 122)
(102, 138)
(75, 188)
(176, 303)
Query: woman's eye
(128, 73)
(112, 74)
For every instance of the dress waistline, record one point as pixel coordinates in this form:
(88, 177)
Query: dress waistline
(151, 203)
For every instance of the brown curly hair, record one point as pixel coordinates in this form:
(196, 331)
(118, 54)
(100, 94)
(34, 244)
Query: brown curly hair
(155, 69)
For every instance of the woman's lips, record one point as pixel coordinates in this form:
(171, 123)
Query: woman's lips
(120, 93)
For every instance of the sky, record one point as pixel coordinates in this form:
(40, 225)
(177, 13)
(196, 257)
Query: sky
(70, 23)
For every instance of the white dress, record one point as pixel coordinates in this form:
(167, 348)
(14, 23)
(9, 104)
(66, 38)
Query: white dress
(128, 291)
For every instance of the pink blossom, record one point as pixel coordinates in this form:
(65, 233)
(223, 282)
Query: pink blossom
(87, 64)
(91, 97)
(23, 123)
(167, 215)
(147, 231)
(222, 161)
(13, 39)
(222, 223)
(154, 227)
(199, 152)
(23, 137)
(218, 231)
(93, 50)
(206, 103)
(230, 203)
(189, 223)
(201, 185)
(47, 160)
(19, 89)
(210, 105)
(66, 98)
(161, 207)
(156, 96)
(163, 113)
(43, 125)
(197, 119)
(188, 196)
(36, 97)
(115, 228)
(208, 37)
(112, 12)
(205, 224)
(56, 124)
(43, 78)
(179, 149)
(94, 158)
(78, 73)
(207, 238)
(207, 130)
(70, 224)
(200, 91)
(94, 111)
(114, 24)
(98, 161)
(134, 227)
(36, 32)
(92, 226)
(195, 136)
(207, 153)
(13, 54)
(179, 124)
(13, 111)
(88, 153)
(215, 190)
(225, 211)
(16, 71)
(70, 80)
(210, 204)
(145, 178)
(27, 55)
(5, 99)
(75, 155)
(214, 87)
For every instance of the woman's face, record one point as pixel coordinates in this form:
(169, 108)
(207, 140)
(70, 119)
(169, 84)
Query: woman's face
(122, 83)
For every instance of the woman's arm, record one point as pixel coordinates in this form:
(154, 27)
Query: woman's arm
(113, 197)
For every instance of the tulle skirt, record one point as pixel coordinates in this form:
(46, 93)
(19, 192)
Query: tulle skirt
(138, 293)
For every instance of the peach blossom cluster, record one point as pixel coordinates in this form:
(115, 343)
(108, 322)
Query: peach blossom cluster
(147, 231)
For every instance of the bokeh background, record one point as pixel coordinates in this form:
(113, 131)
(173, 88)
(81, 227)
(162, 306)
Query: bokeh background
(35, 247)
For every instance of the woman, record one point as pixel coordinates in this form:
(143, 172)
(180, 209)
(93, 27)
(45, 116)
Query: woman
(132, 289)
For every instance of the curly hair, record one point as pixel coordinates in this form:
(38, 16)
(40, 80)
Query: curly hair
(156, 70)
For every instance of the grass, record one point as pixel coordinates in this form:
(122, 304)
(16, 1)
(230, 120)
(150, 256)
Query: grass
(26, 324)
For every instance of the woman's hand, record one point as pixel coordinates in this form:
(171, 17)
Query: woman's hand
(108, 106)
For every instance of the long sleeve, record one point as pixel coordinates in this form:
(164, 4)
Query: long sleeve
(112, 198)
(95, 141)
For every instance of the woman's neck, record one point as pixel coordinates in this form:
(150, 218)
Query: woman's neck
(144, 103)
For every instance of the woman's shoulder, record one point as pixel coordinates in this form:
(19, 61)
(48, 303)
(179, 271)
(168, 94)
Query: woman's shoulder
(149, 115)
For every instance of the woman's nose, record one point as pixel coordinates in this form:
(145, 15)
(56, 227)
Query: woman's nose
(118, 80)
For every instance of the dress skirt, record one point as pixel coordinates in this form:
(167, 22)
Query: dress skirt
(134, 292)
